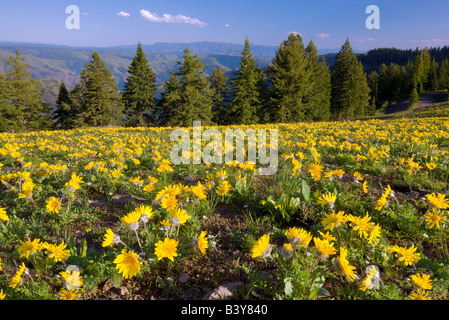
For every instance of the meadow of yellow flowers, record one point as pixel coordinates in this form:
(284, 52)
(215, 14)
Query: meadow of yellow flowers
(356, 210)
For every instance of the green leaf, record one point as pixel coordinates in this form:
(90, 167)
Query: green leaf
(305, 191)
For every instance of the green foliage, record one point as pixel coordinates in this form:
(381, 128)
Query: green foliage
(220, 97)
(95, 100)
(62, 115)
(20, 106)
(350, 90)
(246, 90)
(139, 95)
(187, 96)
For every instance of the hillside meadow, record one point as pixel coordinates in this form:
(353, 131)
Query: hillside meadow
(356, 210)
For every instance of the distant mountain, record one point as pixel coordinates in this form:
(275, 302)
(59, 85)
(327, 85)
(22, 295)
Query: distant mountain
(55, 63)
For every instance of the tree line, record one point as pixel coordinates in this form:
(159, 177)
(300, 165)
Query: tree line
(297, 86)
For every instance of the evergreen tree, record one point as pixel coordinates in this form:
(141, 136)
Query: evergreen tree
(432, 83)
(421, 70)
(318, 99)
(414, 96)
(350, 91)
(20, 106)
(443, 75)
(219, 84)
(61, 114)
(96, 100)
(291, 81)
(187, 96)
(139, 95)
(246, 90)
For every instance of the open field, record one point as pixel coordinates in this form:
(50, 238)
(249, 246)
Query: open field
(356, 210)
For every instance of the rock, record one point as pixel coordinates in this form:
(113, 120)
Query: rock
(223, 292)
(123, 291)
(189, 178)
(183, 278)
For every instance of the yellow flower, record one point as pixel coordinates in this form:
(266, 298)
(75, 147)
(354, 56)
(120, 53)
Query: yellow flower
(169, 202)
(344, 265)
(381, 202)
(17, 278)
(363, 225)
(365, 187)
(262, 248)
(27, 190)
(407, 256)
(3, 215)
(316, 170)
(178, 216)
(324, 247)
(132, 219)
(53, 205)
(72, 279)
(74, 182)
(166, 249)
(29, 247)
(57, 252)
(374, 233)
(423, 281)
(298, 237)
(333, 220)
(367, 282)
(202, 243)
(70, 294)
(2, 295)
(438, 200)
(431, 165)
(357, 176)
(148, 187)
(419, 295)
(223, 188)
(110, 238)
(328, 199)
(198, 191)
(128, 264)
(327, 236)
(296, 166)
(433, 218)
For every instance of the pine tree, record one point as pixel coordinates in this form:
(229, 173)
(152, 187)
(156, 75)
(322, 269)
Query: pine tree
(421, 70)
(291, 81)
(220, 97)
(61, 114)
(187, 96)
(350, 90)
(443, 75)
(246, 90)
(20, 105)
(96, 100)
(318, 99)
(139, 94)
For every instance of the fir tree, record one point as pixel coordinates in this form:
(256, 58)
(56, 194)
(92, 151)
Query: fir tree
(350, 90)
(414, 96)
(291, 81)
(219, 84)
(96, 100)
(20, 104)
(318, 99)
(61, 114)
(246, 90)
(139, 95)
(187, 96)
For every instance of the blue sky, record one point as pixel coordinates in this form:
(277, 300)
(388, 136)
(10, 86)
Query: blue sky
(403, 24)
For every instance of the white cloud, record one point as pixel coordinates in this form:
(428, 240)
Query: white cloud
(323, 35)
(295, 33)
(227, 25)
(84, 14)
(365, 39)
(123, 14)
(434, 41)
(167, 18)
